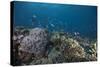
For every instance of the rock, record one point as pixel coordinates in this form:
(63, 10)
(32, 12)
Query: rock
(71, 42)
(63, 38)
(91, 53)
(68, 47)
(72, 54)
(32, 46)
(55, 38)
(24, 57)
(35, 43)
(94, 46)
(56, 56)
(73, 51)
(41, 61)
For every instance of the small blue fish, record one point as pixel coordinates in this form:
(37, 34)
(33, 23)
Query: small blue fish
(52, 25)
(34, 16)
(76, 33)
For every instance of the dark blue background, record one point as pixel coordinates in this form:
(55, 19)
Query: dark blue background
(71, 18)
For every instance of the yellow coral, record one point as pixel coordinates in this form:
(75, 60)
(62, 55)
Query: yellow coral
(71, 42)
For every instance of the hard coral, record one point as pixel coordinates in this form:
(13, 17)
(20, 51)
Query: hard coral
(73, 51)
(35, 42)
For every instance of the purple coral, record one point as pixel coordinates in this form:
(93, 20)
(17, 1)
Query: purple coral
(35, 42)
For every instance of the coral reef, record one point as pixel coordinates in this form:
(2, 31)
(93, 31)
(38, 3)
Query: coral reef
(73, 51)
(56, 55)
(70, 47)
(41, 61)
(38, 46)
(35, 42)
(92, 52)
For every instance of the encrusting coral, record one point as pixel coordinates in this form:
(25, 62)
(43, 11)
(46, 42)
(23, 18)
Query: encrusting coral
(37, 46)
(33, 44)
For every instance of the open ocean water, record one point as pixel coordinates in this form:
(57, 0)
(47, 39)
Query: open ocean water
(57, 17)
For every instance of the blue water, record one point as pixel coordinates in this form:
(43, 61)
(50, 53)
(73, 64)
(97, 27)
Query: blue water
(69, 18)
